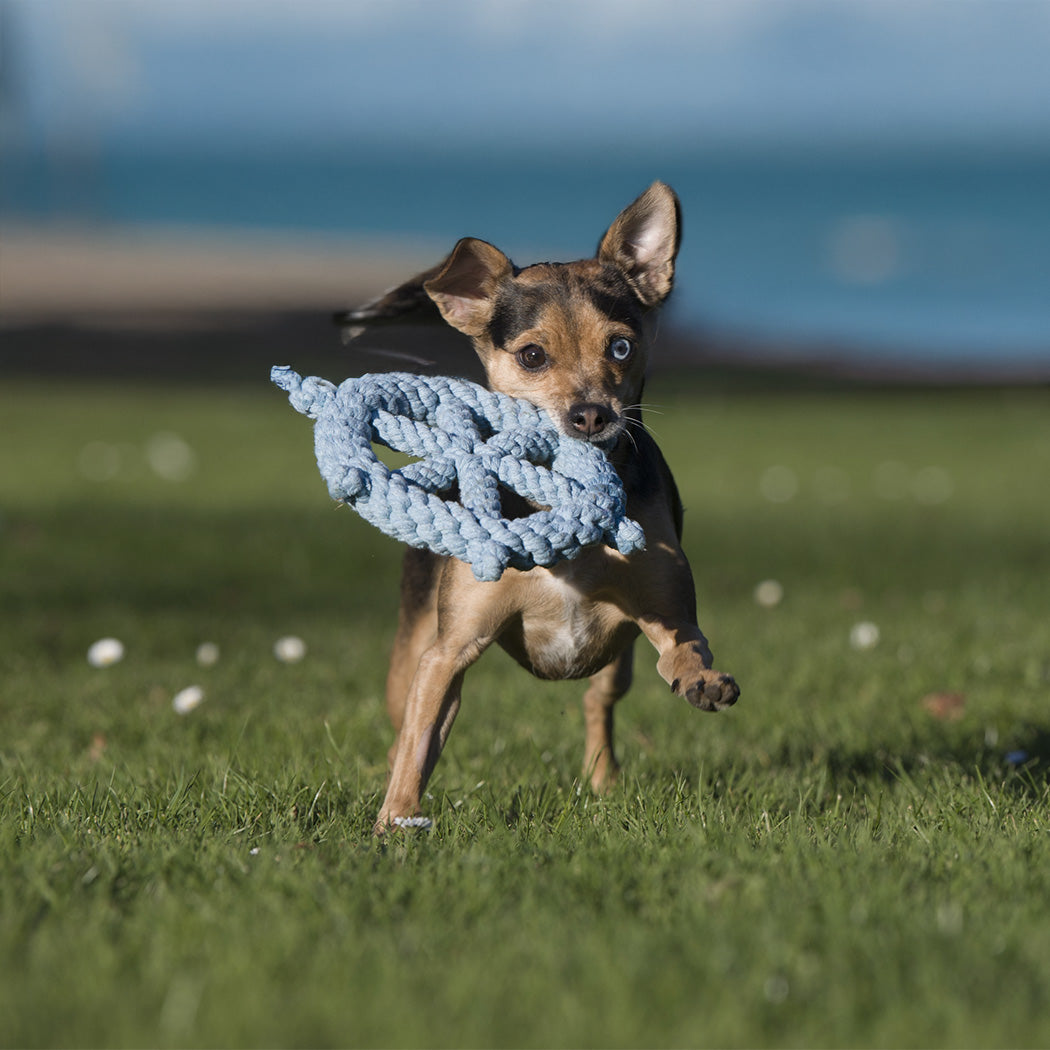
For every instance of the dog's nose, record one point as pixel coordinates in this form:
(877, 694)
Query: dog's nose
(588, 419)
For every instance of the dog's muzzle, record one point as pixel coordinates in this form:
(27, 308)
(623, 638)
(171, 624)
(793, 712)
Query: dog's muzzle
(596, 424)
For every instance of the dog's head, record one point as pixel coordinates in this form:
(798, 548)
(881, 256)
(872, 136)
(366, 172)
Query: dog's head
(571, 338)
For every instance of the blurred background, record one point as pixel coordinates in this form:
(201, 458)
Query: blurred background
(195, 185)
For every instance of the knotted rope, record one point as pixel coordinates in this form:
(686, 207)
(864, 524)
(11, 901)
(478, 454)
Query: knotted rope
(480, 439)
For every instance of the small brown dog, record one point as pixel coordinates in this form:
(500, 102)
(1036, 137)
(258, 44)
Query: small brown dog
(573, 339)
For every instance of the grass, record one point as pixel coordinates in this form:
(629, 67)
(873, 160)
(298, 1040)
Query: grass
(825, 865)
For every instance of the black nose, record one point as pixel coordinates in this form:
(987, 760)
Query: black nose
(589, 419)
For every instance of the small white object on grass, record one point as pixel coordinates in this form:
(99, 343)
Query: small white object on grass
(864, 635)
(170, 457)
(414, 822)
(932, 485)
(99, 461)
(778, 484)
(776, 988)
(207, 654)
(289, 649)
(769, 593)
(105, 652)
(892, 480)
(187, 699)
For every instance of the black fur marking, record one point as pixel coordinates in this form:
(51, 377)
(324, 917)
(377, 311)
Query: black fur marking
(616, 305)
(520, 308)
(519, 311)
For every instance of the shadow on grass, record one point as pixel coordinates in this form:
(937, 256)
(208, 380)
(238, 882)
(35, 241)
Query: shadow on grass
(1019, 765)
(1029, 758)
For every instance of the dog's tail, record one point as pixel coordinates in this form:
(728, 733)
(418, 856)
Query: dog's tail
(406, 303)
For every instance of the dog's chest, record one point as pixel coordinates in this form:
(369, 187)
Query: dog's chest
(563, 632)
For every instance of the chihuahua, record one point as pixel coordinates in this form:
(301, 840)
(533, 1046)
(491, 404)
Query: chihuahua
(573, 339)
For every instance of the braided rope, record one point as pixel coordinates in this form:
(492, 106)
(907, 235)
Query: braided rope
(482, 439)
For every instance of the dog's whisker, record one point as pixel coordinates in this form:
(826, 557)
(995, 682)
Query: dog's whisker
(642, 425)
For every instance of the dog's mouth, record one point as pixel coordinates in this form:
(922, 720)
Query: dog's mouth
(607, 440)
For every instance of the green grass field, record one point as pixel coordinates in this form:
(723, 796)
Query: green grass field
(827, 864)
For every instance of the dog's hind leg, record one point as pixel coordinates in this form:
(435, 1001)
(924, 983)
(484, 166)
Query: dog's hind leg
(416, 630)
(607, 686)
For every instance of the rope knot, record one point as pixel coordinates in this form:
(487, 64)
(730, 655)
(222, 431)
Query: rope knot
(480, 439)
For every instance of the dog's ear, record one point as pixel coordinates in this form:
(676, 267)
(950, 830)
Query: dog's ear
(405, 303)
(465, 288)
(643, 243)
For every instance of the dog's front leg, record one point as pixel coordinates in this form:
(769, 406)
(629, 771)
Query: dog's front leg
(433, 701)
(664, 608)
(685, 662)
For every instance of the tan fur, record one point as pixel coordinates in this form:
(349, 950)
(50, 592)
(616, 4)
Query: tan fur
(578, 619)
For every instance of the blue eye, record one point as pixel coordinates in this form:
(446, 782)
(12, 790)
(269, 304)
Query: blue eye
(620, 349)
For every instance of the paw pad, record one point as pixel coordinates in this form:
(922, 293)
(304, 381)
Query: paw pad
(714, 694)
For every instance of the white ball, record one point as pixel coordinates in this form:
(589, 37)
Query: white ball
(187, 699)
(207, 654)
(105, 651)
(778, 484)
(769, 593)
(864, 635)
(289, 649)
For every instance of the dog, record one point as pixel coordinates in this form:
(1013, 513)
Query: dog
(573, 339)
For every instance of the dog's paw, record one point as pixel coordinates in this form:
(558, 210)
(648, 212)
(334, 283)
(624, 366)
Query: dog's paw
(714, 692)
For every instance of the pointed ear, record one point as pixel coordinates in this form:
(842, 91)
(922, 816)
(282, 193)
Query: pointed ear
(465, 288)
(643, 243)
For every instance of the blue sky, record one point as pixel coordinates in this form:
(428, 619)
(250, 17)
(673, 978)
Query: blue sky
(537, 72)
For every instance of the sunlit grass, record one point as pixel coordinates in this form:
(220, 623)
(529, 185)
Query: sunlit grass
(826, 864)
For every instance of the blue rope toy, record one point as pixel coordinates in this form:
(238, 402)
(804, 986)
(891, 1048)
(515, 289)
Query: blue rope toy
(482, 439)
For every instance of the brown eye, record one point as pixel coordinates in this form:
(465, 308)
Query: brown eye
(620, 349)
(532, 357)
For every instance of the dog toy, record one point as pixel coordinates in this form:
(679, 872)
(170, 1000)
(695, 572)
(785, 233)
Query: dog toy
(468, 436)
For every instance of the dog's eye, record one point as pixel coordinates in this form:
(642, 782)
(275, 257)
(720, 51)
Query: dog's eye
(532, 357)
(620, 348)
